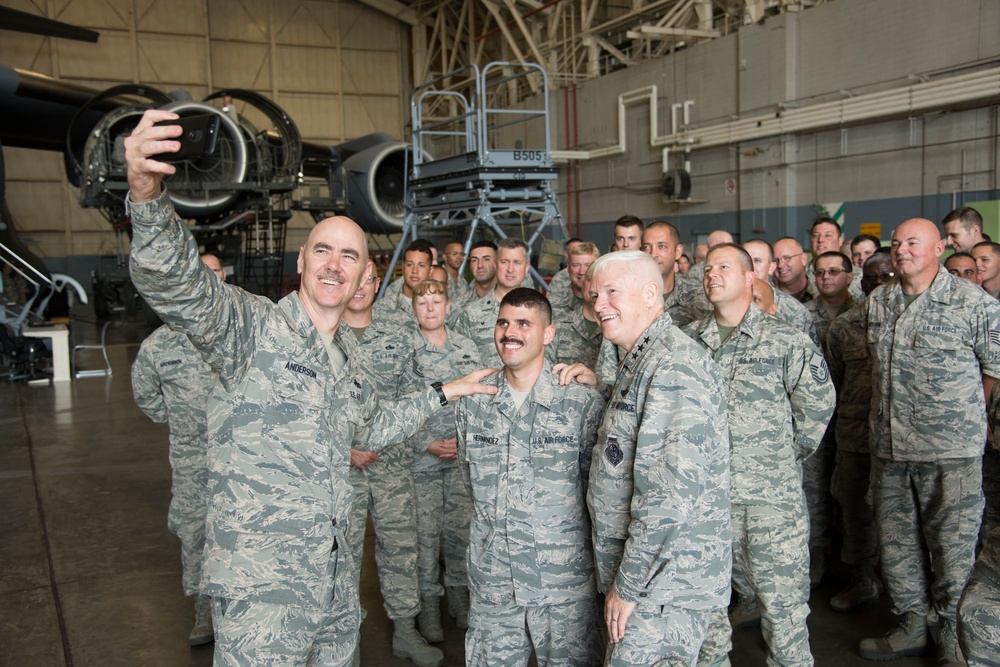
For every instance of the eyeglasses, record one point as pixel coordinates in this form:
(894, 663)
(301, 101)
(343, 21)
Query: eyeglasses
(832, 272)
(785, 259)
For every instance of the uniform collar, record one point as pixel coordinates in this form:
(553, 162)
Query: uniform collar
(541, 394)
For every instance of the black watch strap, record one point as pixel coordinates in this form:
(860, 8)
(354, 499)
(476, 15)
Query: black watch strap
(437, 387)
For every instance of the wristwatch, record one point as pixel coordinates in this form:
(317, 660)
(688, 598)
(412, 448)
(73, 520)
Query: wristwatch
(437, 387)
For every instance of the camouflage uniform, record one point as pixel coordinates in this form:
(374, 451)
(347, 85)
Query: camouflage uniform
(659, 497)
(394, 311)
(477, 321)
(928, 426)
(575, 341)
(794, 313)
(171, 384)
(443, 503)
(684, 304)
(560, 292)
(780, 400)
(384, 490)
(817, 470)
(991, 490)
(275, 554)
(851, 372)
(531, 570)
(979, 610)
(459, 291)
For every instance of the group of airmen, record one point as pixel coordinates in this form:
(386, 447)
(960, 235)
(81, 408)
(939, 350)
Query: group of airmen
(627, 468)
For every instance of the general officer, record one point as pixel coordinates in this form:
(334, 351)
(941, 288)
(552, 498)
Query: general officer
(659, 483)
(171, 384)
(934, 345)
(525, 453)
(683, 299)
(780, 400)
(295, 401)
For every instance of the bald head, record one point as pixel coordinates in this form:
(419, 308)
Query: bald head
(343, 228)
(331, 265)
(213, 262)
(719, 236)
(763, 296)
(916, 247)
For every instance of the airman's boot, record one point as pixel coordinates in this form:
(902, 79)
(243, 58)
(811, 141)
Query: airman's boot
(949, 653)
(429, 619)
(202, 632)
(407, 643)
(863, 589)
(910, 637)
(458, 605)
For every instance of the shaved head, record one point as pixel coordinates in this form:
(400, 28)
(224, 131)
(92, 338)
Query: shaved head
(763, 296)
(916, 247)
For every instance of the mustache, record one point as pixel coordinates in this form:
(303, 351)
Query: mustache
(508, 339)
(332, 275)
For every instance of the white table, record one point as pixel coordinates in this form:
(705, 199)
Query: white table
(59, 335)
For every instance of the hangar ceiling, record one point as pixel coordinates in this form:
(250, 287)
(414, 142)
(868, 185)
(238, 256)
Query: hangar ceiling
(573, 40)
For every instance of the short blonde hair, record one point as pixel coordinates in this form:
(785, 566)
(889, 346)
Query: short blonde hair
(585, 248)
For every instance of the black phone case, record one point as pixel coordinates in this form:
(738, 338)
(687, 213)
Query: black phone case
(198, 140)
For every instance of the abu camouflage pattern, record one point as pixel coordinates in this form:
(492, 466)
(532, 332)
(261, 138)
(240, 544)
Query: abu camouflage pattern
(780, 400)
(527, 468)
(278, 464)
(659, 483)
(171, 384)
(790, 310)
(575, 341)
(931, 355)
(443, 502)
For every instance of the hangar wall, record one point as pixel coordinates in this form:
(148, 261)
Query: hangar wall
(335, 66)
(883, 171)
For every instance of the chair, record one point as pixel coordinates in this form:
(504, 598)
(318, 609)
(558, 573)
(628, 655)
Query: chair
(97, 372)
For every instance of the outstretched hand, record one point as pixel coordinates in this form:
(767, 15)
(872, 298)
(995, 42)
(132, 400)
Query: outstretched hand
(469, 384)
(146, 140)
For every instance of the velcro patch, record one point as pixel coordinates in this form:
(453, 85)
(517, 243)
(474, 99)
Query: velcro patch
(613, 453)
(818, 368)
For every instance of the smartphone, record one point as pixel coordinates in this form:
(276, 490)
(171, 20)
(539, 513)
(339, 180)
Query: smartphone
(198, 139)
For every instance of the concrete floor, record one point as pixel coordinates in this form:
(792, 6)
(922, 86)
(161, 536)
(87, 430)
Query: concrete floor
(90, 576)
